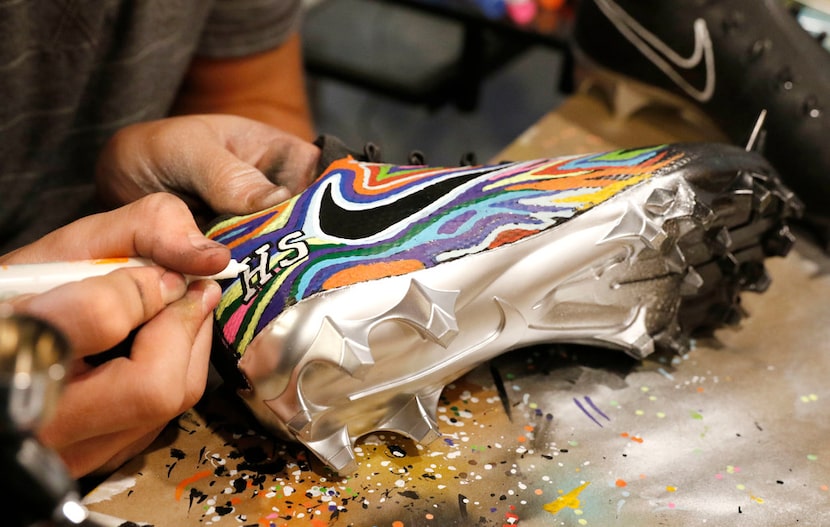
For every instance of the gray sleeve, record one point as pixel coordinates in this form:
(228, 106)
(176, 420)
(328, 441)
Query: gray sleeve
(239, 27)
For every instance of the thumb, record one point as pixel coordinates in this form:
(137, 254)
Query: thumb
(232, 186)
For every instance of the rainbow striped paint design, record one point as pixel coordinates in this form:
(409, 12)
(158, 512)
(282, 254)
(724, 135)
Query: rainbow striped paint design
(365, 221)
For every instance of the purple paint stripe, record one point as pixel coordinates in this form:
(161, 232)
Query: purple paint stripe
(588, 399)
(591, 417)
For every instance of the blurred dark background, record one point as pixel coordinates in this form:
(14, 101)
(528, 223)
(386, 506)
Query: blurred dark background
(445, 77)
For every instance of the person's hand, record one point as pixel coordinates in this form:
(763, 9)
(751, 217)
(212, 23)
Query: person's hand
(111, 412)
(232, 164)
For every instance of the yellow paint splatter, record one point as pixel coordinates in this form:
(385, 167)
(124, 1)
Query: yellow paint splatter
(671, 489)
(809, 398)
(569, 500)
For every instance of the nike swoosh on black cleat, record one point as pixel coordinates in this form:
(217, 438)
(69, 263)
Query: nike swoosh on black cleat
(671, 63)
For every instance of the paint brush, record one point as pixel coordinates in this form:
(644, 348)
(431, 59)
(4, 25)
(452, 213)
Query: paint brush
(40, 277)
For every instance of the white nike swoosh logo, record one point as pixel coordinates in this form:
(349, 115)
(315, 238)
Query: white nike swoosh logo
(663, 56)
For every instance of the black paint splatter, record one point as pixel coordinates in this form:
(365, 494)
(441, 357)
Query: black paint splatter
(397, 451)
(505, 400)
(178, 455)
(239, 485)
(196, 496)
(274, 466)
(462, 506)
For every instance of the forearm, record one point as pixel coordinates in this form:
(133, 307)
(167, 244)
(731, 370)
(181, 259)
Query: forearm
(268, 87)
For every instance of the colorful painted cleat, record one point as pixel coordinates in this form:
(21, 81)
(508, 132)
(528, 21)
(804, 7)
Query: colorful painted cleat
(379, 284)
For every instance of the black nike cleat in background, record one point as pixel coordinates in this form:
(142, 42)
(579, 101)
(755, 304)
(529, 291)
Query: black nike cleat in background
(724, 62)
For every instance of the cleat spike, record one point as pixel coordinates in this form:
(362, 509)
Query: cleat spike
(336, 450)
(685, 226)
(728, 264)
(430, 310)
(659, 201)
(778, 243)
(633, 224)
(733, 315)
(720, 241)
(691, 284)
(300, 423)
(343, 344)
(756, 278)
(675, 261)
(416, 417)
(706, 215)
(761, 199)
(634, 339)
(672, 339)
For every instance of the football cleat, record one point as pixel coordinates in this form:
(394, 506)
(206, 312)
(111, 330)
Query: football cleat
(723, 63)
(379, 284)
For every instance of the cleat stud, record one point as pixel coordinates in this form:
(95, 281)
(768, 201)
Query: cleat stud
(659, 201)
(633, 224)
(675, 261)
(705, 215)
(634, 339)
(728, 264)
(343, 344)
(778, 243)
(643, 346)
(671, 340)
(300, 423)
(336, 450)
(691, 284)
(755, 277)
(760, 177)
(415, 417)
(761, 198)
(720, 241)
(733, 316)
(431, 310)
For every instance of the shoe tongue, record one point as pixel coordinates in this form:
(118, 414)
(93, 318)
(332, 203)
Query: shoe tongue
(332, 149)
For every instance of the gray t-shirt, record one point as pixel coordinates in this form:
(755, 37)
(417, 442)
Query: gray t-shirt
(72, 72)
